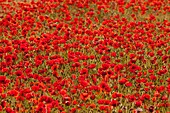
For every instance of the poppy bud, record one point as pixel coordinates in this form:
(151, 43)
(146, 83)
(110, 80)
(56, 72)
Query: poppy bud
(151, 109)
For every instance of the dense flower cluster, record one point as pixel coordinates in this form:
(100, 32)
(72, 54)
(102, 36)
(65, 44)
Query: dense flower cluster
(84, 56)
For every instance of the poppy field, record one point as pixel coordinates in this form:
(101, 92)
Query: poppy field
(84, 56)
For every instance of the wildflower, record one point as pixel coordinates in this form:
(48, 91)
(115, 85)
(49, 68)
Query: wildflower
(128, 84)
(18, 73)
(13, 93)
(114, 103)
(122, 80)
(92, 66)
(151, 109)
(113, 54)
(105, 66)
(35, 88)
(138, 103)
(2, 79)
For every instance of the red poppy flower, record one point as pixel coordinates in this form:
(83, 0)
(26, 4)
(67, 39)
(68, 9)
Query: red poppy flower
(41, 107)
(9, 110)
(128, 84)
(3, 104)
(105, 58)
(113, 54)
(100, 101)
(76, 64)
(151, 54)
(138, 103)
(160, 88)
(105, 66)
(134, 68)
(106, 102)
(121, 54)
(105, 86)
(84, 83)
(2, 79)
(8, 59)
(84, 71)
(28, 96)
(145, 96)
(8, 49)
(118, 67)
(73, 110)
(84, 96)
(92, 66)
(35, 88)
(18, 72)
(153, 77)
(114, 103)
(103, 107)
(13, 93)
(123, 80)
(114, 95)
(132, 56)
